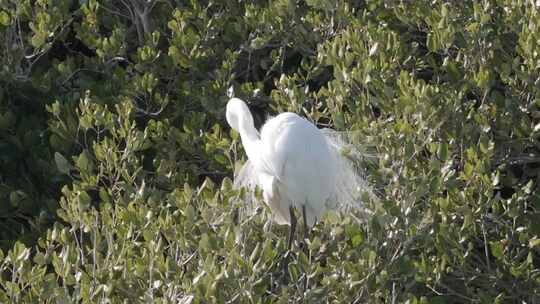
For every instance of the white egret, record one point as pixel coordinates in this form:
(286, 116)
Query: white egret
(295, 164)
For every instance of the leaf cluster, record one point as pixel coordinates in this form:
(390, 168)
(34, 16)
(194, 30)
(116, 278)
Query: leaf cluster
(115, 157)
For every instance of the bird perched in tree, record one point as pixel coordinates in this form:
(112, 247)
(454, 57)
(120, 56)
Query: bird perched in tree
(295, 164)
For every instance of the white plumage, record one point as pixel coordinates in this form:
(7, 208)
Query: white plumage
(295, 164)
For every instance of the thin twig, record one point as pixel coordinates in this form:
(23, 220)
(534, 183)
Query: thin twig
(486, 250)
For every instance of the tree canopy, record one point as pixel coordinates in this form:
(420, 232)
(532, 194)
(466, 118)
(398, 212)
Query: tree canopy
(116, 160)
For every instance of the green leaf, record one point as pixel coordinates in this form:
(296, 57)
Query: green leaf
(443, 151)
(16, 197)
(497, 249)
(84, 200)
(5, 19)
(357, 240)
(468, 169)
(258, 43)
(83, 163)
(62, 164)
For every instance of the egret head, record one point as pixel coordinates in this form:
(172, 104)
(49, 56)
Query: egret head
(238, 115)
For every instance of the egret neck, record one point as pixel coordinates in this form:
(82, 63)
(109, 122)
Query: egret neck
(250, 137)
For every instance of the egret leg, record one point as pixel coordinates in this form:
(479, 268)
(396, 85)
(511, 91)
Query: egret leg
(306, 236)
(306, 231)
(289, 244)
(293, 227)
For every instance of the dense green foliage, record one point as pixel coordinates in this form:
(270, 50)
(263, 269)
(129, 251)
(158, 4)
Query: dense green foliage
(116, 161)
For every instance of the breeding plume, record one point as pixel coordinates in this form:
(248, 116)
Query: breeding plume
(295, 164)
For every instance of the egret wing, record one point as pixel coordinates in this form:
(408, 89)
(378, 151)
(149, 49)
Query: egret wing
(351, 184)
(350, 144)
(246, 176)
